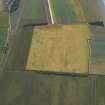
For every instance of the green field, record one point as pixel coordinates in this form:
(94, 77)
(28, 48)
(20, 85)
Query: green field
(63, 11)
(34, 11)
(3, 35)
(31, 88)
(92, 12)
(72, 11)
(97, 48)
(20, 48)
(27, 88)
(100, 90)
(4, 20)
(3, 15)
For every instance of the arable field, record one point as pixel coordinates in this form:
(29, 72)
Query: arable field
(98, 51)
(78, 10)
(3, 15)
(60, 49)
(4, 19)
(63, 11)
(91, 10)
(27, 88)
(1, 5)
(100, 90)
(97, 58)
(75, 11)
(34, 11)
(97, 46)
(3, 35)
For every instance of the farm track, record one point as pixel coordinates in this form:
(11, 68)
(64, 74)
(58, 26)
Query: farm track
(49, 17)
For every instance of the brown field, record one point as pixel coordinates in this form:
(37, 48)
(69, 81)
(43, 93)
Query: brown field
(97, 32)
(97, 69)
(60, 49)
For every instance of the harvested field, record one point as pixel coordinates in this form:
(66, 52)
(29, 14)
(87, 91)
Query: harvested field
(53, 48)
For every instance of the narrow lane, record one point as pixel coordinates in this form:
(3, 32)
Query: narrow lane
(50, 10)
